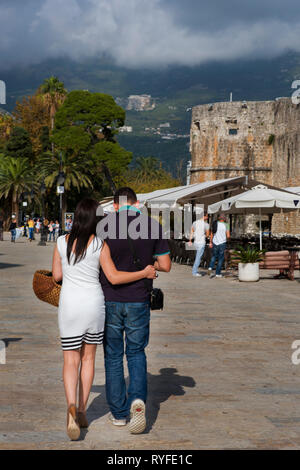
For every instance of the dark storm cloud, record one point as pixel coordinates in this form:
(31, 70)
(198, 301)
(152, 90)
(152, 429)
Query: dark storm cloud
(147, 32)
(216, 14)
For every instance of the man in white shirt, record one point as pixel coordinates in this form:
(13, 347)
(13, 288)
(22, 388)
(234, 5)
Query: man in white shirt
(218, 239)
(199, 230)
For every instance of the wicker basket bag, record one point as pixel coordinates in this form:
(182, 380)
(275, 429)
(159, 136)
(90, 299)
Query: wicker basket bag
(46, 288)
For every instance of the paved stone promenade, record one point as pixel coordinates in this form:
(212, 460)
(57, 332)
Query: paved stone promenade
(220, 370)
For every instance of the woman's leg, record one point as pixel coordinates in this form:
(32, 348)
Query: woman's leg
(70, 374)
(87, 370)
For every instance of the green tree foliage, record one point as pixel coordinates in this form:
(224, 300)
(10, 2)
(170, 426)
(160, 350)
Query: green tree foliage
(33, 115)
(149, 175)
(17, 177)
(76, 171)
(112, 154)
(53, 93)
(86, 125)
(96, 113)
(19, 144)
(45, 139)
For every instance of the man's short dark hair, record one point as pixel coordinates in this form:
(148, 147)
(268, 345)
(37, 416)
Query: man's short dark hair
(125, 192)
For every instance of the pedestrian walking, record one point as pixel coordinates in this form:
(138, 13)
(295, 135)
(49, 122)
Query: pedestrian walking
(57, 229)
(31, 224)
(51, 228)
(38, 225)
(199, 232)
(219, 235)
(81, 313)
(12, 229)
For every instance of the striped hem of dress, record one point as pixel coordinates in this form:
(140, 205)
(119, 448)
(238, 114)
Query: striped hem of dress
(75, 342)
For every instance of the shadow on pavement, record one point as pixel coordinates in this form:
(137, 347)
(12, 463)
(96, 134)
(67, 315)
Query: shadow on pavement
(9, 265)
(160, 388)
(10, 340)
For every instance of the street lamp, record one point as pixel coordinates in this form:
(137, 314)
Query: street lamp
(60, 190)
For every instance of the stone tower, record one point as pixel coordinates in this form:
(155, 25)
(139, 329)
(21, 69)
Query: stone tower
(259, 139)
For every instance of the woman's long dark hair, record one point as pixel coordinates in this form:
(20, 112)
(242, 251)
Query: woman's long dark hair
(84, 225)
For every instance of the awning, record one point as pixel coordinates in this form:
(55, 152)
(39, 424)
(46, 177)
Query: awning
(293, 189)
(200, 193)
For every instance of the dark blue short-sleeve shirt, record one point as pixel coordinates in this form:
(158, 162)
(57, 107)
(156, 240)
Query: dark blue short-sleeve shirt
(149, 243)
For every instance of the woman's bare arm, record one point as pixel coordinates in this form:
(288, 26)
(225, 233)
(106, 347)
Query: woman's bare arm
(56, 266)
(122, 277)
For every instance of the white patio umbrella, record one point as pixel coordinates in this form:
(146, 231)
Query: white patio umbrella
(258, 200)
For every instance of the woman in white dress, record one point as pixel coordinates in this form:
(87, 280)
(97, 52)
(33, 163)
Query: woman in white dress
(81, 313)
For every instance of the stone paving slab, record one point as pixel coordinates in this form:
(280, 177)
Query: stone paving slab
(220, 370)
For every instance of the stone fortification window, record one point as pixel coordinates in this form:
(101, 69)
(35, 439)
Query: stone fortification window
(233, 131)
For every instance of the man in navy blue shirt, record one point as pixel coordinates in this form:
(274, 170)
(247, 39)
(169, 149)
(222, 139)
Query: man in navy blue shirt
(128, 307)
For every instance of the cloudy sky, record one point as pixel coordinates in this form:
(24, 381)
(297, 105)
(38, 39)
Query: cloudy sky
(151, 33)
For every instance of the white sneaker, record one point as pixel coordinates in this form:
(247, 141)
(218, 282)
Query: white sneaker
(209, 269)
(137, 416)
(115, 421)
(197, 275)
(219, 275)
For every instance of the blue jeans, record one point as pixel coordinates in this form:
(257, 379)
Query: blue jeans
(133, 319)
(219, 254)
(198, 258)
(52, 235)
(13, 233)
(31, 233)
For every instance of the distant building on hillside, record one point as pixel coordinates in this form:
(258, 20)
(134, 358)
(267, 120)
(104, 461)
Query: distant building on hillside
(259, 139)
(125, 129)
(140, 103)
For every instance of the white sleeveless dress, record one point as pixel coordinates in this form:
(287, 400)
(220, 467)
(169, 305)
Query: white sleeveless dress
(81, 310)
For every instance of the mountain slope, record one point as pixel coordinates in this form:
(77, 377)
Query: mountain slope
(175, 90)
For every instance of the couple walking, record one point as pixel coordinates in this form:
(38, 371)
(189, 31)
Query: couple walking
(219, 235)
(92, 312)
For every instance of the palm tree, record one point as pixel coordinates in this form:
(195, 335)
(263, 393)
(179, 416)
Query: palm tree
(17, 177)
(147, 168)
(76, 170)
(53, 93)
(149, 175)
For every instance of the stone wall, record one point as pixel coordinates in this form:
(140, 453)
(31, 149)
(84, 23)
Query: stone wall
(259, 139)
(286, 160)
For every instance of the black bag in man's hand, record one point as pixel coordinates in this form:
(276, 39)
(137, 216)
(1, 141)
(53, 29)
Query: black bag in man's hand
(156, 299)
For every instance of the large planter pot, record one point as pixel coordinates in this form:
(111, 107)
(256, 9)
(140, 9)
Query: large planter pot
(249, 272)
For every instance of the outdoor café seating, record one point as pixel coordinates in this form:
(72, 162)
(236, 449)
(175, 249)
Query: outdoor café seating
(281, 254)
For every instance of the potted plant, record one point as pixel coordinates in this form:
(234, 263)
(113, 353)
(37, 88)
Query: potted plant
(248, 260)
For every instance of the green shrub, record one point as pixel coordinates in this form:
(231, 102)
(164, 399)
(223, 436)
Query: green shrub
(251, 254)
